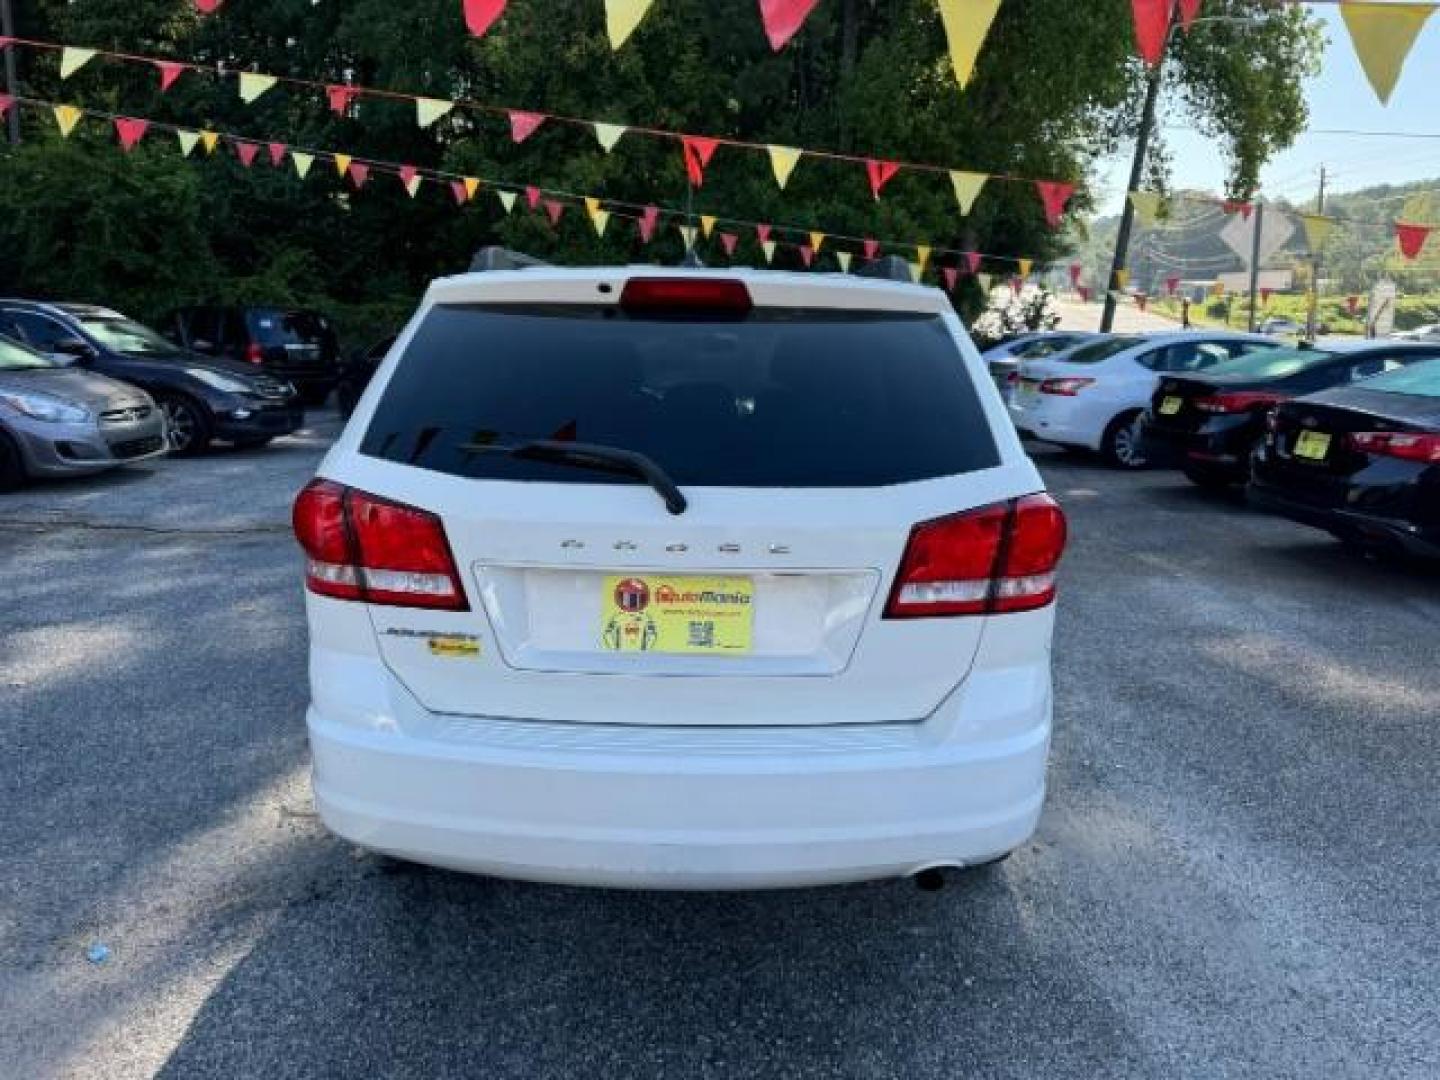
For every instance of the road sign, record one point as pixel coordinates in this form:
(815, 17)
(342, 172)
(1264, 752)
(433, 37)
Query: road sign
(1380, 319)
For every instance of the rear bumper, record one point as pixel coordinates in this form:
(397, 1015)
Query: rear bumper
(1402, 534)
(1220, 450)
(687, 808)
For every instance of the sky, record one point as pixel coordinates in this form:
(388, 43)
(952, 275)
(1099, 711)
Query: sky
(1340, 97)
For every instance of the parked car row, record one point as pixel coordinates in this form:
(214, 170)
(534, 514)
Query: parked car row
(1344, 437)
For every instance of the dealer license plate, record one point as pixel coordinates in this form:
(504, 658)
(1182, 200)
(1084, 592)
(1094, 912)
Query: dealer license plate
(1312, 445)
(689, 615)
(1170, 406)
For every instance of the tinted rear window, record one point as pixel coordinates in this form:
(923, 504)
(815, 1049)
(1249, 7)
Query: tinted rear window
(1418, 380)
(1273, 363)
(782, 398)
(289, 327)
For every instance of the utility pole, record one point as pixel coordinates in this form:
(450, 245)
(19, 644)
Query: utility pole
(1255, 262)
(1127, 215)
(7, 29)
(1316, 262)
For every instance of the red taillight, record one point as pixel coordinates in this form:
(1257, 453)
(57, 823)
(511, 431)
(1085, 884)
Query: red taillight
(360, 547)
(998, 558)
(1065, 387)
(254, 353)
(1012, 378)
(1396, 444)
(686, 294)
(1238, 401)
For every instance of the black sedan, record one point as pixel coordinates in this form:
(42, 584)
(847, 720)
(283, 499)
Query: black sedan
(1362, 462)
(1210, 423)
(203, 397)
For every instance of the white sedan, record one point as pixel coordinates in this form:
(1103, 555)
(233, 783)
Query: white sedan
(1093, 397)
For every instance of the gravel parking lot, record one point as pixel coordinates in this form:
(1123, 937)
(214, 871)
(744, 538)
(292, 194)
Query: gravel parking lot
(1237, 874)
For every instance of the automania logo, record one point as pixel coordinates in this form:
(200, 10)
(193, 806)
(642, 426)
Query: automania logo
(667, 594)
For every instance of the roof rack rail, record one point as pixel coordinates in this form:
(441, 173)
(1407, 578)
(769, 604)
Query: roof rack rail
(495, 257)
(890, 267)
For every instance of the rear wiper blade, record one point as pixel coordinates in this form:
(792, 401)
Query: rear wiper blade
(607, 459)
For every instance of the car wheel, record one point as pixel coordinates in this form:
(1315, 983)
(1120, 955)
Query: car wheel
(12, 465)
(1123, 444)
(187, 426)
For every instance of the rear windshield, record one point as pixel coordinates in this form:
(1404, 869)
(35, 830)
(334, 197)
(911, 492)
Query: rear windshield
(1417, 380)
(289, 327)
(1102, 350)
(1272, 363)
(781, 398)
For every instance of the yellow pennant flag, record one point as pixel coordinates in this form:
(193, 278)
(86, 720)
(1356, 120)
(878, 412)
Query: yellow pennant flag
(817, 241)
(844, 257)
(768, 246)
(1026, 265)
(1147, 206)
(1122, 279)
(428, 110)
(1383, 35)
(987, 282)
(471, 186)
(1317, 230)
(621, 18)
(72, 60)
(967, 22)
(707, 224)
(302, 163)
(507, 200)
(608, 135)
(922, 256)
(342, 163)
(688, 232)
(967, 188)
(210, 140)
(188, 139)
(67, 116)
(252, 85)
(783, 160)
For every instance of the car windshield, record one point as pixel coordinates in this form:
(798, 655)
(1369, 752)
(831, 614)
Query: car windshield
(779, 398)
(16, 357)
(1417, 380)
(1102, 350)
(1272, 363)
(125, 336)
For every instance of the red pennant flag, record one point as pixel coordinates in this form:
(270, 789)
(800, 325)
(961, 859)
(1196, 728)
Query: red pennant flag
(1172, 283)
(728, 240)
(807, 254)
(951, 275)
(1412, 238)
(698, 152)
(1054, 194)
(208, 7)
(359, 174)
(523, 124)
(341, 98)
(480, 15)
(407, 174)
(130, 131)
(246, 152)
(1188, 10)
(169, 72)
(870, 248)
(1075, 271)
(553, 209)
(972, 261)
(782, 18)
(457, 188)
(1015, 285)
(532, 196)
(1235, 206)
(1152, 27)
(1084, 294)
(649, 218)
(1265, 295)
(277, 153)
(1141, 300)
(1353, 304)
(880, 173)
(763, 232)
(6, 101)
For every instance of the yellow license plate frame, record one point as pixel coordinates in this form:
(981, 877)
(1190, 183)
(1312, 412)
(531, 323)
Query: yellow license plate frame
(1171, 405)
(1313, 445)
(677, 614)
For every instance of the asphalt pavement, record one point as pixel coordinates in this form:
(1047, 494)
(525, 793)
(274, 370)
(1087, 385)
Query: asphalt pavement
(1237, 873)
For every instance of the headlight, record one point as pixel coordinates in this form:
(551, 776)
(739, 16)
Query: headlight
(223, 383)
(45, 407)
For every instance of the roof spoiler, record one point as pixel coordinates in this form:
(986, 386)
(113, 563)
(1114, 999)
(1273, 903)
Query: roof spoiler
(499, 258)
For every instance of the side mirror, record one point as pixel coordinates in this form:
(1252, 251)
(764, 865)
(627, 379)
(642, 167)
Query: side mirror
(74, 349)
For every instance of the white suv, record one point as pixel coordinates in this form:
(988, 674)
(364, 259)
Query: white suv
(681, 579)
